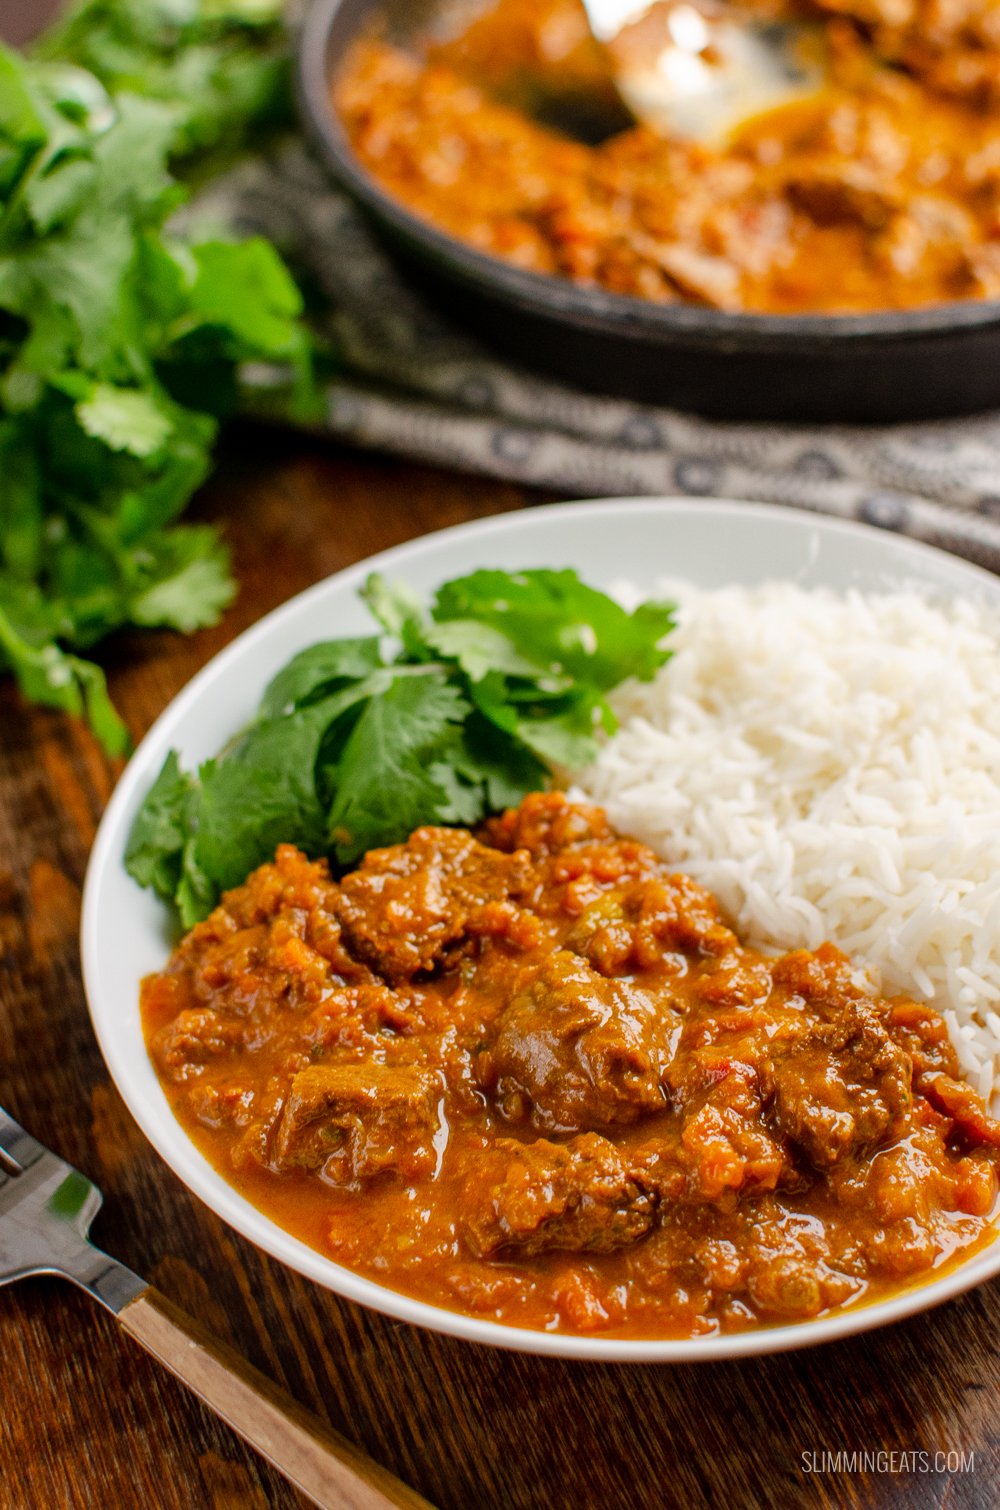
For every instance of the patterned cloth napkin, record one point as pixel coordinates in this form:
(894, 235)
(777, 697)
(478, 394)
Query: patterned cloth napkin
(418, 385)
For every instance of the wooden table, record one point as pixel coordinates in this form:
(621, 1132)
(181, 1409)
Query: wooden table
(87, 1420)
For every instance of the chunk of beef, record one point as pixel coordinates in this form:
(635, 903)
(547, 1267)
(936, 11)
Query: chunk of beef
(720, 1143)
(273, 938)
(852, 193)
(356, 1121)
(574, 855)
(578, 1196)
(635, 926)
(185, 1046)
(724, 1148)
(223, 1105)
(967, 73)
(547, 822)
(404, 906)
(786, 1286)
(580, 1051)
(270, 891)
(838, 1084)
(952, 45)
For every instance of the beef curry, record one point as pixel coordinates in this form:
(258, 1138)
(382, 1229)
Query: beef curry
(882, 191)
(533, 1075)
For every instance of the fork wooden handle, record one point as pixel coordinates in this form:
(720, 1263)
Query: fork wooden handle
(327, 1468)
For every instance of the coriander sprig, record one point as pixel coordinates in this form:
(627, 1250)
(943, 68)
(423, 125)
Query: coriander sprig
(121, 340)
(444, 714)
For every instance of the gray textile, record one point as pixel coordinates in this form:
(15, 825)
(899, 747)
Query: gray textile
(415, 384)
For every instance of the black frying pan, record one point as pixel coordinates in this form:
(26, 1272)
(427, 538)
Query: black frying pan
(899, 365)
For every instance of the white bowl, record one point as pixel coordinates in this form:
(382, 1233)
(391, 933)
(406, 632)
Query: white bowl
(126, 930)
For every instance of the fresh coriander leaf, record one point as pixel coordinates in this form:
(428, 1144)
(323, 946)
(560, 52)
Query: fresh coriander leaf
(58, 194)
(399, 611)
(344, 708)
(83, 273)
(98, 708)
(191, 583)
(245, 289)
(22, 515)
(261, 794)
(504, 769)
(564, 740)
(155, 852)
(87, 587)
(559, 731)
(225, 61)
(107, 327)
(51, 676)
(79, 98)
(656, 617)
(384, 786)
(158, 492)
(561, 624)
(483, 774)
(30, 614)
(125, 419)
(44, 354)
(491, 695)
(20, 120)
(196, 895)
(164, 272)
(319, 671)
(350, 751)
(251, 12)
(462, 795)
(481, 650)
(133, 156)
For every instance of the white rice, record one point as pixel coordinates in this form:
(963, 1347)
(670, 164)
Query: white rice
(829, 766)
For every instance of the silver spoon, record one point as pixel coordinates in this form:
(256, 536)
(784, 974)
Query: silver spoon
(697, 69)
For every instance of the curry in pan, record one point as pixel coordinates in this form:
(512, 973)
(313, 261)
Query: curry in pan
(881, 191)
(530, 1073)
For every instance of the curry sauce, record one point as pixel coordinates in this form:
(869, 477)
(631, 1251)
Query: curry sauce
(531, 1074)
(880, 192)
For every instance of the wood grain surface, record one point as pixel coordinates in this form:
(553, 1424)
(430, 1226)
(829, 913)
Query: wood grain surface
(330, 1471)
(87, 1419)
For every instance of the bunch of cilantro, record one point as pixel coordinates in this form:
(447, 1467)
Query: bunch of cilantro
(222, 65)
(441, 716)
(120, 341)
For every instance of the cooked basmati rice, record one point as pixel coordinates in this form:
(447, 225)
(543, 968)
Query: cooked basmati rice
(829, 766)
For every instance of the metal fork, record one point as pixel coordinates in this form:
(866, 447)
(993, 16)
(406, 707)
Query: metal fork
(46, 1209)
